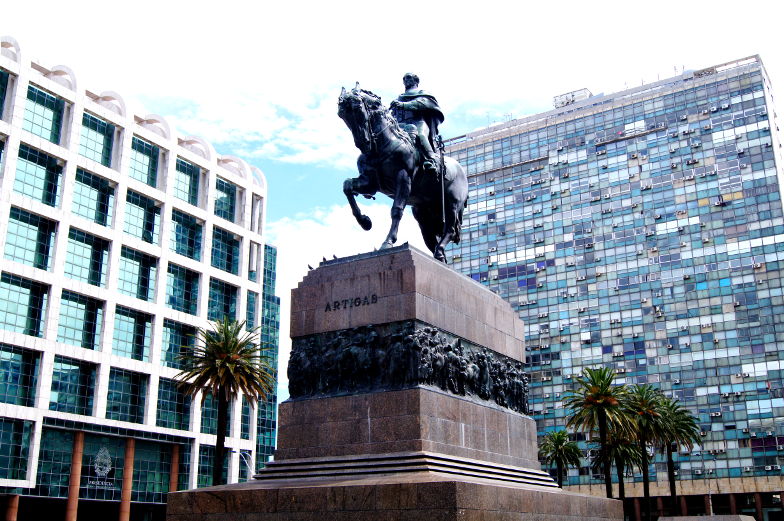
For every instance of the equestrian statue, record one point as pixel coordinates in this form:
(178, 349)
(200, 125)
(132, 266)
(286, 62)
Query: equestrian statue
(403, 158)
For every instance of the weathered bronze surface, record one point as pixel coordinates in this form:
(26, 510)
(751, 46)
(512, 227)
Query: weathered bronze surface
(402, 157)
(403, 355)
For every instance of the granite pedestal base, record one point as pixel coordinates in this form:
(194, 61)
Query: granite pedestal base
(399, 449)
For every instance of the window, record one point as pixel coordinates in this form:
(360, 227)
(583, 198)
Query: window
(209, 416)
(29, 239)
(174, 407)
(15, 438)
(177, 338)
(144, 161)
(142, 217)
(22, 305)
(252, 310)
(43, 114)
(137, 274)
(254, 261)
(132, 333)
(81, 320)
(3, 90)
(186, 235)
(87, 258)
(182, 289)
(151, 468)
(186, 182)
(38, 176)
(245, 419)
(225, 200)
(73, 386)
(18, 374)
(126, 397)
(97, 139)
(206, 457)
(225, 250)
(222, 300)
(93, 197)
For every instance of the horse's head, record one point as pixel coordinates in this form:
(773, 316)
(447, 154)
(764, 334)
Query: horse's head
(354, 108)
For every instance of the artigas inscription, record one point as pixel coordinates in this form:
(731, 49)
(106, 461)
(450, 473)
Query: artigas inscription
(348, 303)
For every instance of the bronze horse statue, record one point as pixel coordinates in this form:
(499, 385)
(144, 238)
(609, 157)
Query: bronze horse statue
(390, 164)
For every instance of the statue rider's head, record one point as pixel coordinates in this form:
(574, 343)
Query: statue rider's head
(410, 80)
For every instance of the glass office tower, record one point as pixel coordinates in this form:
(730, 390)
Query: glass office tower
(119, 240)
(642, 231)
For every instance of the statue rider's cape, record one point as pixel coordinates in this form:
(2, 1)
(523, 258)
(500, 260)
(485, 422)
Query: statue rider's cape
(427, 105)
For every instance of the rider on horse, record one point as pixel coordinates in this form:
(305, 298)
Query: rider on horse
(418, 113)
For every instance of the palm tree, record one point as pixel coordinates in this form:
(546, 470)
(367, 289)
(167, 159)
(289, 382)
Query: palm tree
(680, 429)
(556, 448)
(623, 452)
(643, 404)
(226, 362)
(596, 404)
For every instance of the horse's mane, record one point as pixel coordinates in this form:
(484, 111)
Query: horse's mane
(394, 126)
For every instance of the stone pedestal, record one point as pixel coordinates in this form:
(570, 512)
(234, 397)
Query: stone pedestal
(368, 437)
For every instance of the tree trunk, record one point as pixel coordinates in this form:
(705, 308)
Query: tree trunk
(671, 477)
(220, 441)
(619, 468)
(646, 484)
(559, 469)
(606, 461)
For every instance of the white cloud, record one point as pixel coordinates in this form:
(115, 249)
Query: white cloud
(304, 240)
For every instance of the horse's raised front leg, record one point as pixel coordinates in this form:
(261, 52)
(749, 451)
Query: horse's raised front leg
(402, 191)
(351, 187)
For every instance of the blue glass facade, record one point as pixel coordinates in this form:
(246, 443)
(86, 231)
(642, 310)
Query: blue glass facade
(643, 231)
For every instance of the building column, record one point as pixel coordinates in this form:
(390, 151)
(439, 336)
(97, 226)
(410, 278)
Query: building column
(684, 506)
(733, 504)
(72, 504)
(758, 505)
(174, 468)
(708, 504)
(11, 507)
(659, 506)
(127, 483)
(637, 516)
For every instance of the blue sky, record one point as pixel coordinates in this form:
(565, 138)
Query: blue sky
(260, 80)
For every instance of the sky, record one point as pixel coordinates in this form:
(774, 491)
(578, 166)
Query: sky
(260, 80)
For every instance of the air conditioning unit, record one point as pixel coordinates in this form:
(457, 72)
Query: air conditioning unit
(715, 414)
(746, 469)
(757, 265)
(746, 375)
(620, 370)
(673, 165)
(702, 433)
(738, 393)
(676, 381)
(684, 117)
(776, 467)
(725, 395)
(746, 430)
(725, 106)
(698, 472)
(768, 467)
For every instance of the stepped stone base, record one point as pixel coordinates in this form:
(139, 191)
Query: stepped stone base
(420, 496)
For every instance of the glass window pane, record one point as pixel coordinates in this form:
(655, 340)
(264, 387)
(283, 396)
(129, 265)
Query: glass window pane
(38, 176)
(186, 235)
(97, 139)
(186, 182)
(30, 239)
(93, 197)
(43, 114)
(88, 258)
(144, 161)
(81, 320)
